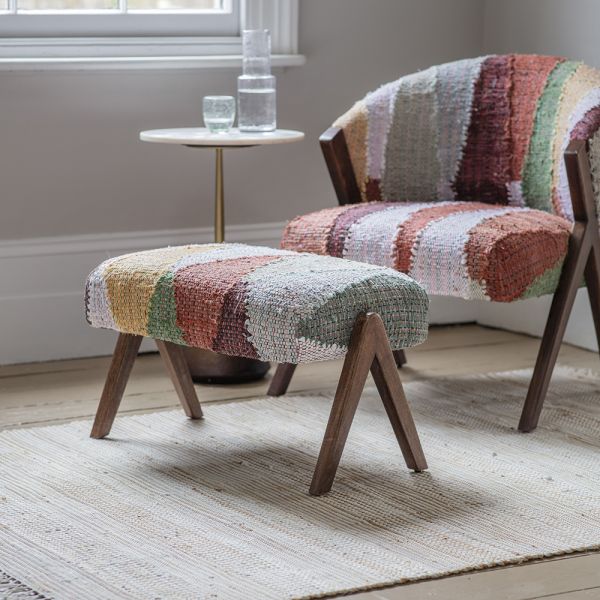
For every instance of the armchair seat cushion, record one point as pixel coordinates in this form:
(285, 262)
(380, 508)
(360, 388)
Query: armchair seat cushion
(469, 250)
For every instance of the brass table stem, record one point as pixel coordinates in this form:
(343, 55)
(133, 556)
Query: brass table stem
(219, 198)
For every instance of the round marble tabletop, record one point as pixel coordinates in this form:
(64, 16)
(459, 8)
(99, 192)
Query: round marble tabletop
(200, 136)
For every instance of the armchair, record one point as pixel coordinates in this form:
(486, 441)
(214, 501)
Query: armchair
(479, 178)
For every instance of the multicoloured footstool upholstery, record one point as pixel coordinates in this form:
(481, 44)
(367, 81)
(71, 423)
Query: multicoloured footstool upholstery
(269, 304)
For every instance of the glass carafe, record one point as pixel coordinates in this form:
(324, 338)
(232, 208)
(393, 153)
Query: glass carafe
(256, 87)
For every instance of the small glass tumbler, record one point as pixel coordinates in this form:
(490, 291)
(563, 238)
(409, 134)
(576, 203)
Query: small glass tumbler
(219, 113)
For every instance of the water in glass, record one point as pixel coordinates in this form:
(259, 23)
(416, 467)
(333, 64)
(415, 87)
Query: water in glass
(219, 113)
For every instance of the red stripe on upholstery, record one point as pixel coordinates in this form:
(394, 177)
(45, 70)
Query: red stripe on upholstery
(200, 294)
(587, 126)
(409, 231)
(485, 167)
(508, 252)
(310, 233)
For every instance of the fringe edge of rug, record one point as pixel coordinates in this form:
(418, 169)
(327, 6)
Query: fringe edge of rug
(13, 589)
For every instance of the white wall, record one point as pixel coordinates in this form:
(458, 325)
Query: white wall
(77, 185)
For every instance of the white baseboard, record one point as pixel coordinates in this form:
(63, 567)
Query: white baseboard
(42, 279)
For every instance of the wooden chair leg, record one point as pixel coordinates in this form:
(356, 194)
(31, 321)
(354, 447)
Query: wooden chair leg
(118, 374)
(400, 358)
(592, 282)
(387, 380)
(562, 303)
(174, 359)
(281, 379)
(583, 198)
(365, 352)
(583, 258)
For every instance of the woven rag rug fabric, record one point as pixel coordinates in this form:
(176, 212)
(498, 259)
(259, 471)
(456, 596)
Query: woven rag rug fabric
(252, 301)
(218, 509)
(489, 130)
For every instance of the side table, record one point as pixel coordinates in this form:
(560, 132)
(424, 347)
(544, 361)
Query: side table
(207, 366)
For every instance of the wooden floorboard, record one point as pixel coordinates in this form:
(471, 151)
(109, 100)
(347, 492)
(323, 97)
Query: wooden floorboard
(55, 392)
(558, 576)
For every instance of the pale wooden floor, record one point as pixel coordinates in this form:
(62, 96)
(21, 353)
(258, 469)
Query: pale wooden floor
(54, 392)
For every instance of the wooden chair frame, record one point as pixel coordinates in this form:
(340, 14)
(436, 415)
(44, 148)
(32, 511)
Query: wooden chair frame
(582, 262)
(369, 350)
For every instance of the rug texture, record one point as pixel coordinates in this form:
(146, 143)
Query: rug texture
(175, 509)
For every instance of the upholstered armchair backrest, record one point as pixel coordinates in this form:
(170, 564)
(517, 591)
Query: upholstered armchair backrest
(490, 129)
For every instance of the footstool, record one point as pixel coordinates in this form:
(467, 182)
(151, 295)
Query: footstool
(274, 305)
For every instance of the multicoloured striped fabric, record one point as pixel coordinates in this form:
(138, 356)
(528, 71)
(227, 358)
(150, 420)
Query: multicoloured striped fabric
(252, 301)
(462, 178)
(490, 129)
(471, 250)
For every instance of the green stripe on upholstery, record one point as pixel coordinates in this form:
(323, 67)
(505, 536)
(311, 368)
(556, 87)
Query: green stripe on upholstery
(162, 320)
(546, 283)
(537, 170)
(402, 306)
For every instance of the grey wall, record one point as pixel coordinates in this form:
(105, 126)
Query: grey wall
(563, 27)
(70, 162)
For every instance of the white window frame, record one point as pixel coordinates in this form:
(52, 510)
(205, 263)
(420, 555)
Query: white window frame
(119, 22)
(181, 51)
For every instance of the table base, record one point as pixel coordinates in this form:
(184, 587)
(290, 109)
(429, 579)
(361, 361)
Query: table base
(210, 367)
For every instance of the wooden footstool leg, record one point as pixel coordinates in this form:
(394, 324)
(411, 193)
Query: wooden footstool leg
(400, 358)
(369, 349)
(281, 379)
(174, 359)
(387, 380)
(118, 374)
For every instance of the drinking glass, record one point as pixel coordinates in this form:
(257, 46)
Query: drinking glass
(219, 113)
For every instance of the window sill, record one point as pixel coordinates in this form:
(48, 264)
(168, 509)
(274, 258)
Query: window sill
(122, 53)
(91, 63)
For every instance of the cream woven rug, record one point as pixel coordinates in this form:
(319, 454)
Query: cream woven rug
(175, 509)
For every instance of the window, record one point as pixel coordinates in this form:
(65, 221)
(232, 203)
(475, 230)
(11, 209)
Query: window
(29, 18)
(140, 33)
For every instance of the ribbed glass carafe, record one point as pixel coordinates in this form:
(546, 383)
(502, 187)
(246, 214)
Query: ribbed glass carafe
(257, 109)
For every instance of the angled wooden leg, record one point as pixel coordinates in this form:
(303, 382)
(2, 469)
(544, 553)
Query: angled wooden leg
(361, 351)
(583, 198)
(583, 257)
(562, 303)
(369, 349)
(174, 359)
(120, 368)
(281, 379)
(592, 282)
(387, 380)
(399, 358)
